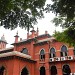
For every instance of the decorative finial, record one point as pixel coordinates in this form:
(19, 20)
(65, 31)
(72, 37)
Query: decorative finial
(16, 37)
(55, 31)
(37, 29)
(33, 28)
(17, 33)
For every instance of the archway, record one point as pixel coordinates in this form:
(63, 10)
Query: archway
(66, 70)
(42, 71)
(24, 71)
(53, 70)
(2, 70)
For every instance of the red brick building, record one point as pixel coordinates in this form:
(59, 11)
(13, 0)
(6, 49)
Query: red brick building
(36, 55)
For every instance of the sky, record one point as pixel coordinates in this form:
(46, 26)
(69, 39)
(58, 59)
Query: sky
(44, 24)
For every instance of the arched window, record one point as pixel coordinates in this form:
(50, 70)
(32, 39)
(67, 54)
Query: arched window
(52, 52)
(25, 71)
(53, 70)
(66, 70)
(2, 70)
(42, 71)
(63, 50)
(42, 54)
(24, 50)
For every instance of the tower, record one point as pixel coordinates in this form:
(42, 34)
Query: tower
(16, 37)
(3, 42)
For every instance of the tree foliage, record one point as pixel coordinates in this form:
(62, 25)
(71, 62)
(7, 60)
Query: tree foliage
(65, 17)
(22, 13)
(67, 36)
(65, 12)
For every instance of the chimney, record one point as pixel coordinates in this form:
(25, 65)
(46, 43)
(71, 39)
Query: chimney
(20, 39)
(16, 37)
(33, 33)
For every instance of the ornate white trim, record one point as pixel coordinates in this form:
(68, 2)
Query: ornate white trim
(16, 53)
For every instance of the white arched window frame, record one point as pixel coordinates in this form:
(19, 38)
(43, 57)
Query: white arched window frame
(64, 51)
(42, 54)
(52, 52)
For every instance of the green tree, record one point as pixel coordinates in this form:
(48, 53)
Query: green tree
(65, 17)
(67, 36)
(22, 13)
(65, 12)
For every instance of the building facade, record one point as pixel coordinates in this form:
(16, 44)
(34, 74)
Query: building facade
(36, 55)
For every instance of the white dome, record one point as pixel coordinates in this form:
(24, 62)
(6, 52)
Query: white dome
(3, 38)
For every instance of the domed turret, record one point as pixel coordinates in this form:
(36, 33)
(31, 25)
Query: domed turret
(3, 42)
(3, 38)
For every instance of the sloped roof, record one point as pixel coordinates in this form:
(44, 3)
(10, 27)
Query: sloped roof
(32, 39)
(45, 40)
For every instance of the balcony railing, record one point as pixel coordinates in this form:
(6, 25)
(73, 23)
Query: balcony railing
(66, 58)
